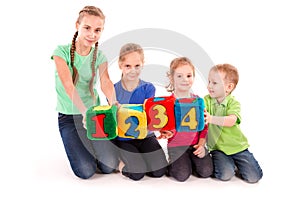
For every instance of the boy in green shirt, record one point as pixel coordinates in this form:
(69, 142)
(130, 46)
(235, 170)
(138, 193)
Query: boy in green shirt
(226, 142)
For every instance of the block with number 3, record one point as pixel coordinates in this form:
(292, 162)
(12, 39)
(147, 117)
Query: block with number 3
(160, 113)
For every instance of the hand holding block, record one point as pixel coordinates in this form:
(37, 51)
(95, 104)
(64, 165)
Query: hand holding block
(132, 121)
(189, 114)
(101, 122)
(160, 113)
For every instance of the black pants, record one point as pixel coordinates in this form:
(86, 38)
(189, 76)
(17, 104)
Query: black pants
(183, 163)
(142, 156)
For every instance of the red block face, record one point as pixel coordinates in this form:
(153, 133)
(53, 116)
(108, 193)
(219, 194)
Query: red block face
(160, 113)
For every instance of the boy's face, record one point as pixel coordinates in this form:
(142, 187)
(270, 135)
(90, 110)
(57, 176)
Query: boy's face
(217, 87)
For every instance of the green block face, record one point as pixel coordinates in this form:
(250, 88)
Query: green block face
(101, 122)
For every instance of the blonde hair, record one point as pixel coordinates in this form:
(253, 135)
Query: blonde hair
(175, 63)
(87, 10)
(230, 72)
(129, 48)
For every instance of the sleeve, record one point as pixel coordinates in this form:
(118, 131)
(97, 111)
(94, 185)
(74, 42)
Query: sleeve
(150, 90)
(63, 52)
(204, 132)
(101, 58)
(234, 108)
(206, 103)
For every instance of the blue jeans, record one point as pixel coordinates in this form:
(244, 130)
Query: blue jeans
(247, 166)
(85, 155)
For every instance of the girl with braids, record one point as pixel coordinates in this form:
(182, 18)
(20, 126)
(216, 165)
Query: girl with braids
(78, 65)
(140, 156)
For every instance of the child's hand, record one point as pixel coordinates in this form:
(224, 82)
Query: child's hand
(165, 134)
(200, 150)
(116, 103)
(207, 117)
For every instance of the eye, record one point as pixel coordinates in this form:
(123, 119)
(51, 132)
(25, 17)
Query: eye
(189, 76)
(179, 76)
(127, 66)
(137, 67)
(99, 30)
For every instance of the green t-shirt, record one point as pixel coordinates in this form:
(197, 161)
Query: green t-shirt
(83, 65)
(229, 140)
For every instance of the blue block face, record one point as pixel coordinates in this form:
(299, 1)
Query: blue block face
(189, 114)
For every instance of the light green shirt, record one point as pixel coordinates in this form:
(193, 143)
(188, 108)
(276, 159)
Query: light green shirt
(83, 65)
(229, 140)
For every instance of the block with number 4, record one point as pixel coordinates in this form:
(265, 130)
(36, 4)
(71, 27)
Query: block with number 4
(189, 114)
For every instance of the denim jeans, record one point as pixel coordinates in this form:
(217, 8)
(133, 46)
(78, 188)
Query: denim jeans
(243, 162)
(85, 155)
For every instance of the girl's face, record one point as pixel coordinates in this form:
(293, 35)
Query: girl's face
(131, 66)
(89, 30)
(216, 85)
(183, 78)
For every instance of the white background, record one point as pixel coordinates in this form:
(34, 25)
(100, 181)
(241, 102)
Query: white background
(261, 38)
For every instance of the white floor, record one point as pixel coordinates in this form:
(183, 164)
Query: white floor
(53, 178)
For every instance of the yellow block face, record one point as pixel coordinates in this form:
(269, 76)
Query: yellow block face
(132, 121)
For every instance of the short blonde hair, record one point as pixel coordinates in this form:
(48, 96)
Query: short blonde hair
(230, 72)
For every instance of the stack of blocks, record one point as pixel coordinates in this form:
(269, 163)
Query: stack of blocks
(135, 120)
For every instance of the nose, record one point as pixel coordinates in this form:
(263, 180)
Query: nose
(209, 85)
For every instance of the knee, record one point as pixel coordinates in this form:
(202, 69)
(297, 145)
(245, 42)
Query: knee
(157, 173)
(136, 176)
(205, 172)
(180, 176)
(85, 172)
(252, 179)
(225, 175)
(107, 170)
(109, 166)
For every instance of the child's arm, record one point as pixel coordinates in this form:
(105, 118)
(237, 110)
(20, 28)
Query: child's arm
(107, 86)
(200, 147)
(66, 79)
(228, 121)
(165, 134)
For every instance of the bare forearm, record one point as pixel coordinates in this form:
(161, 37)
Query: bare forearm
(201, 141)
(227, 121)
(108, 90)
(75, 98)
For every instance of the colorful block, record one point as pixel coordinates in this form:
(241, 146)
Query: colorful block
(189, 114)
(101, 122)
(132, 121)
(160, 113)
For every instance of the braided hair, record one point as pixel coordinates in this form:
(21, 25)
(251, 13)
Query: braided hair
(89, 10)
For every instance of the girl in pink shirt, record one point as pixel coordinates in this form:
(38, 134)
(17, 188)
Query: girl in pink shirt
(186, 150)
